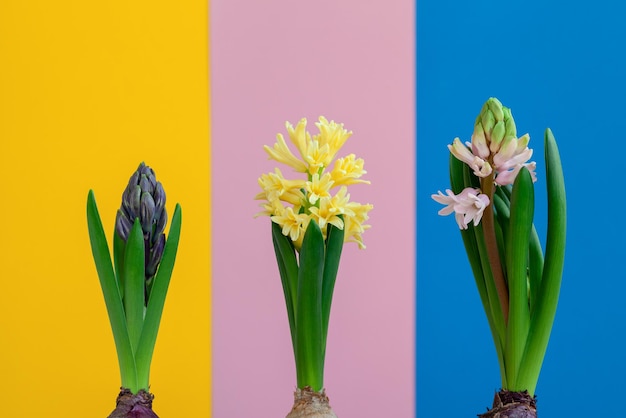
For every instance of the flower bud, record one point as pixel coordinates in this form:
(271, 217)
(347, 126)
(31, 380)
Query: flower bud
(132, 200)
(495, 107)
(488, 122)
(160, 225)
(479, 142)
(147, 213)
(122, 225)
(497, 134)
(495, 124)
(509, 122)
(155, 256)
(159, 201)
(146, 185)
(144, 199)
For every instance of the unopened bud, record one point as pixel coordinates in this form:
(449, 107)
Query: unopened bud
(155, 256)
(488, 122)
(144, 199)
(147, 213)
(497, 124)
(495, 107)
(159, 201)
(511, 130)
(122, 225)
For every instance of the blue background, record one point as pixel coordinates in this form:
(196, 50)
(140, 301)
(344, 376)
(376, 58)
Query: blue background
(556, 65)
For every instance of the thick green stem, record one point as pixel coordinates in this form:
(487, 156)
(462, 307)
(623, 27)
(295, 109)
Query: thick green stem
(492, 293)
(492, 249)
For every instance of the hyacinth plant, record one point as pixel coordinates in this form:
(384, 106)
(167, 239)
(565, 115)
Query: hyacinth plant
(135, 285)
(492, 197)
(311, 218)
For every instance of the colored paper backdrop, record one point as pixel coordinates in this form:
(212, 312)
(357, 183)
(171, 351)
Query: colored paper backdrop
(87, 91)
(558, 66)
(277, 61)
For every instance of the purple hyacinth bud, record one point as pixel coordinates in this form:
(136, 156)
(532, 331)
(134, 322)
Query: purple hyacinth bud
(144, 198)
(134, 179)
(155, 256)
(159, 200)
(146, 185)
(122, 225)
(147, 214)
(134, 201)
(160, 225)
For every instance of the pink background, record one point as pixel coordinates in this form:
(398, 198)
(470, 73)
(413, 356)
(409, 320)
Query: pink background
(351, 61)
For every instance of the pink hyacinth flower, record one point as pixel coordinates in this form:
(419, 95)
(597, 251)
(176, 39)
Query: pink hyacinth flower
(481, 167)
(467, 206)
(509, 160)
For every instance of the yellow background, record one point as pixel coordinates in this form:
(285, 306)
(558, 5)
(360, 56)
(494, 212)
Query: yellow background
(88, 90)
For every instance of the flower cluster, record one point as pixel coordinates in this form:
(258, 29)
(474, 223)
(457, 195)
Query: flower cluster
(323, 195)
(495, 154)
(144, 199)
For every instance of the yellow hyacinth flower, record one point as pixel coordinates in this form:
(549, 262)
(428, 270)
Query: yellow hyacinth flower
(281, 153)
(318, 187)
(291, 222)
(271, 208)
(331, 134)
(299, 136)
(322, 196)
(317, 156)
(355, 224)
(326, 213)
(275, 186)
(348, 170)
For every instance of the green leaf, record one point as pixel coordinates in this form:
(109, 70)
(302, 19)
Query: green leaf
(309, 359)
(535, 253)
(112, 298)
(505, 193)
(520, 226)
(334, 246)
(156, 302)
(288, 269)
(134, 283)
(457, 182)
(535, 267)
(119, 248)
(460, 177)
(469, 239)
(542, 316)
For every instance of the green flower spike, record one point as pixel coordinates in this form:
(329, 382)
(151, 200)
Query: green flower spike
(134, 292)
(493, 125)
